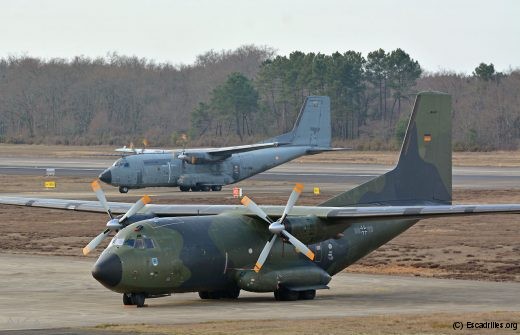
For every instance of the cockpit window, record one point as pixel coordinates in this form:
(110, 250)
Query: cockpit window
(148, 243)
(139, 243)
(121, 162)
(130, 243)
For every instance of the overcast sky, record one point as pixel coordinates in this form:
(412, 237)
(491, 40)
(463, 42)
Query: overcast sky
(451, 35)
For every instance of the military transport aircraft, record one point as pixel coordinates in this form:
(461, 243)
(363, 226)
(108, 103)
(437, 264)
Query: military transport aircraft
(209, 169)
(218, 250)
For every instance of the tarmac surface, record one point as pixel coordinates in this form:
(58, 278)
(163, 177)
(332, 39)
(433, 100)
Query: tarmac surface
(48, 292)
(466, 177)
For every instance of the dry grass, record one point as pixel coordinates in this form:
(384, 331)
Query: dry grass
(439, 323)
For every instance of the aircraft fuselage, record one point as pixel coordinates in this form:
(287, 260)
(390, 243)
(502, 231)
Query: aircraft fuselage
(172, 255)
(168, 170)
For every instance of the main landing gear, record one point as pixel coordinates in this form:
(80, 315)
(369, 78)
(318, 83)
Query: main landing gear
(284, 294)
(221, 294)
(133, 299)
(202, 188)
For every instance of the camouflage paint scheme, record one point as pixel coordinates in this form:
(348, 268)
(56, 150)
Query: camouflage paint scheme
(212, 249)
(205, 169)
(218, 252)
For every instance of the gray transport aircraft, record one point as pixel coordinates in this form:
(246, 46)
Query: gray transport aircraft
(209, 169)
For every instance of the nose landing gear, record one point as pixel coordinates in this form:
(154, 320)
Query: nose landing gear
(134, 299)
(123, 189)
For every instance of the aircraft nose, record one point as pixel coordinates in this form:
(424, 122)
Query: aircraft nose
(106, 176)
(108, 270)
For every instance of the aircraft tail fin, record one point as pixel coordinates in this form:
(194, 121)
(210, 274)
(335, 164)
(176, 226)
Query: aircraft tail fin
(312, 126)
(423, 173)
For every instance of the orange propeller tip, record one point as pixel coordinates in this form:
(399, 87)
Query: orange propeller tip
(298, 187)
(310, 255)
(86, 251)
(245, 200)
(257, 268)
(146, 199)
(95, 185)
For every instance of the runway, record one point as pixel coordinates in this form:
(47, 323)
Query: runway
(42, 292)
(352, 174)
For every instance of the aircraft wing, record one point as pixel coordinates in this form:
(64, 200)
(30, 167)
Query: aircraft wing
(384, 213)
(331, 214)
(143, 151)
(228, 151)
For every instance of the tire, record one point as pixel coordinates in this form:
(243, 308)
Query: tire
(287, 295)
(184, 188)
(127, 299)
(205, 188)
(195, 188)
(231, 293)
(138, 299)
(204, 295)
(123, 189)
(216, 188)
(307, 295)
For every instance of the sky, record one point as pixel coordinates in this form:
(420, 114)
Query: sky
(443, 35)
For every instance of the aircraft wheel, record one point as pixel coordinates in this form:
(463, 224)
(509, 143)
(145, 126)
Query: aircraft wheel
(231, 293)
(123, 189)
(138, 299)
(204, 295)
(284, 294)
(204, 188)
(195, 188)
(307, 295)
(184, 188)
(127, 299)
(216, 188)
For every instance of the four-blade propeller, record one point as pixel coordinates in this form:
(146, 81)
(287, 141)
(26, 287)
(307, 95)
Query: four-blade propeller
(114, 224)
(277, 228)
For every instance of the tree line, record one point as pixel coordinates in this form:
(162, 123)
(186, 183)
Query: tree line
(243, 95)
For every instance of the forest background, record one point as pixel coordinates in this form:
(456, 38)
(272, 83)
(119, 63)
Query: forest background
(241, 96)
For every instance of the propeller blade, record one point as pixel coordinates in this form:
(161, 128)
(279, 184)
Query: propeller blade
(96, 187)
(136, 207)
(295, 194)
(95, 242)
(250, 204)
(265, 252)
(299, 245)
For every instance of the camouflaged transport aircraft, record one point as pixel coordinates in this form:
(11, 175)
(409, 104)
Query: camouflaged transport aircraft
(218, 250)
(209, 169)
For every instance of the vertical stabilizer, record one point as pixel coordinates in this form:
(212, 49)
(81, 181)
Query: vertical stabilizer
(423, 173)
(312, 127)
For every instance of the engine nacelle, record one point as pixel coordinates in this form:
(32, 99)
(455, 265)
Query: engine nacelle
(311, 229)
(297, 278)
